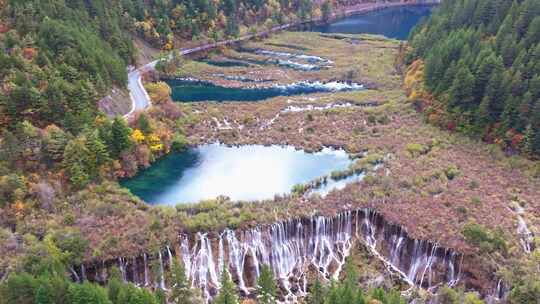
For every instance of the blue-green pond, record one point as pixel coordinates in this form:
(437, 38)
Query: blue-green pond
(189, 91)
(249, 173)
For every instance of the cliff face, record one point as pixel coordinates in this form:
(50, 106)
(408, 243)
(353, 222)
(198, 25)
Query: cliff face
(291, 249)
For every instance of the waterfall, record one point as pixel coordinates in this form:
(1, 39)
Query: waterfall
(292, 247)
(169, 254)
(122, 268)
(526, 236)
(524, 233)
(161, 272)
(146, 281)
(221, 255)
(236, 259)
(200, 262)
(135, 272)
(83, 273)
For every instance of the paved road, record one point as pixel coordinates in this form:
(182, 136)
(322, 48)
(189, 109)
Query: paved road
(140, 99)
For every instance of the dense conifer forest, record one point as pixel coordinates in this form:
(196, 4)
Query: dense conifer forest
(482, 67)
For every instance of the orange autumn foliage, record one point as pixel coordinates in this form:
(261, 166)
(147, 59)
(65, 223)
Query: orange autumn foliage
(29, 53)
(18, 208)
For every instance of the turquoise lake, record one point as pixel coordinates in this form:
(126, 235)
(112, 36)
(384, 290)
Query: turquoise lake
(242, 173)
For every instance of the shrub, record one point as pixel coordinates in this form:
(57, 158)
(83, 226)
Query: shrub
(476, 200)
(299, 189)
(472, 298)
(417, 149)
(473, 185)
(339, 175)
(372, 119)
(483, 238)
(448, 295)
(452, 172)
(179, 142)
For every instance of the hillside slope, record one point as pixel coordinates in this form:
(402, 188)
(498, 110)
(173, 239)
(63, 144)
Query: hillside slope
(482, 65)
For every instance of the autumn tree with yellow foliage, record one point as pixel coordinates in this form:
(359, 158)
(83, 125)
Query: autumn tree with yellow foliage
(159, 92)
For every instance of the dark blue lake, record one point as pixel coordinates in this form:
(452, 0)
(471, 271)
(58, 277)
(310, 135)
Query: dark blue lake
(189, 91)
(395, 22)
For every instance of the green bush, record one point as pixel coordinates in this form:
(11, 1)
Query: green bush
(452, 172)
(179, 142)
(417, 149)
(299, 189)
(483, 238)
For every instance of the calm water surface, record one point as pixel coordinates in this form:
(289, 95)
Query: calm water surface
(395, 22)
(190, 91)
(241, 173)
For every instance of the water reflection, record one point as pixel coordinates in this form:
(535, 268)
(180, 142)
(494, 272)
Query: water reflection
(189, 91)
(394, 22)
(241, 173)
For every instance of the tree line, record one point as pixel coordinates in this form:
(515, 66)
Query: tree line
(50, 284)
(482, 65)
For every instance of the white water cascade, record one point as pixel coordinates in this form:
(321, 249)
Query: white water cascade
(297, 247)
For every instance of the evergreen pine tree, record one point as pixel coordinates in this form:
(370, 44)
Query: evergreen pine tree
(496, 93)
(484, 73)
(143, 124)
(161, 297)
(483, 117)
(227, 292)
(98, 154)
(461, 92)
(55, 143)
(535, 123)
(525, 108)
(44, 295)
(10, 149)
(76, 161)
(114, 285)
(333, 296)
(317, 294)
(510, 115)
(181, 292)
(528, 138)
(119, 137)
(266, 286)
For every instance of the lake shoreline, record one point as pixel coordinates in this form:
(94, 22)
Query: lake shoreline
(170, 179)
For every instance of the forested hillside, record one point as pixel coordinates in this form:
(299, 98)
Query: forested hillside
(59, 57)
(482, 65)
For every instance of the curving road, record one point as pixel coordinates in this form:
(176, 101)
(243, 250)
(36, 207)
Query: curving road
(140, 99)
